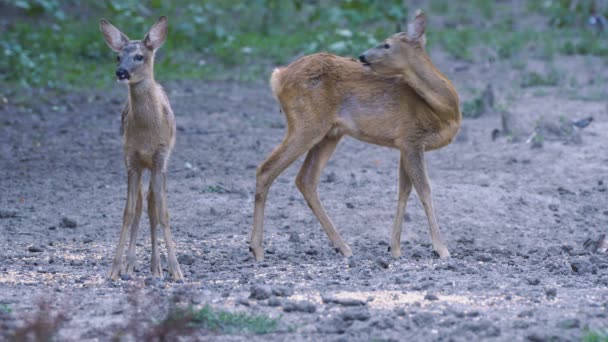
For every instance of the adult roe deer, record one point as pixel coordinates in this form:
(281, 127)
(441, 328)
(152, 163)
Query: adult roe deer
(148, 127)
(393, 97)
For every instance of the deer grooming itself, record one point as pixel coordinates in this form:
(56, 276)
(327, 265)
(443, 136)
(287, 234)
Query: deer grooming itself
(393, 97)
(148, 127)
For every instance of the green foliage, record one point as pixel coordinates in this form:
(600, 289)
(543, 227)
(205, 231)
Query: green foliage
(5, 308)
(596, 336)
(473, 108)
(535, 79)
(57, 43)
(230, 323)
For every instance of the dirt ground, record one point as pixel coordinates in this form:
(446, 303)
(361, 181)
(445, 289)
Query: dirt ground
(514, 217)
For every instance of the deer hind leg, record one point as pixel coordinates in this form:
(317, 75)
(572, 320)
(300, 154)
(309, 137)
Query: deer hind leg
(131, 259)
(157, 271)
(405, 188)
(134, 177)
(160, 202)
(308, 180)
(293, 146)
(416, 170)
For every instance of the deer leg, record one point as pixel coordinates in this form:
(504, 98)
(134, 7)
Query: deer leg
(308, 180)
(416, 170)
(131, 259)
(405, 188)
(292, 147)
(160, 201)
(134, 177)
(157, 271)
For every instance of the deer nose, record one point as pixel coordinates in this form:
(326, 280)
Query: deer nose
(122, 74)
(362, 59)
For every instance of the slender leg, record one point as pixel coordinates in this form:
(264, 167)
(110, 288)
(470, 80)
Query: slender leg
(134, 177)
(416, 170)
(160, 201)
(157, 271)
(292, 147)
(131, 259)
(308, 180)
(405, 188)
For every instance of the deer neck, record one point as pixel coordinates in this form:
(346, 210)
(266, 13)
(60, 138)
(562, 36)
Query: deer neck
(434, 88)
(144, 100)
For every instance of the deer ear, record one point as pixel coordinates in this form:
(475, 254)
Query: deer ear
(115, 39)
(415, 29)
(157, 35)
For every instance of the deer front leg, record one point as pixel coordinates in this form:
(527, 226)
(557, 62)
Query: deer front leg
(416, 170)
(405, 188)
(131, 259)
(134, 177)
(160, 201)
(157, 271)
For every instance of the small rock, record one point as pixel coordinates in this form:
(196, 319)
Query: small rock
(242, 301)
(282, 291)
(553, 207)
(355, 315)
(551, 293)
(260, 292)
(350, 205)
(343, 301)
(533, 281)
(382, 262)
(431, 297)
(294, 237)
(536, 337)
(185, 259)
(382, 323)
(484, 258)
(5, 213)
(274, 302)
(299, 306)
(67, 222)
(334, 326)
(423, 319)
(525, 313)
(582, 266)
(125, 277)
(570, 324)
(34, 249)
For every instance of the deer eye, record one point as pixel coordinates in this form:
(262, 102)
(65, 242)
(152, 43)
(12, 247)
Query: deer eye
(386, 46)
(139, 57)
(118, 58)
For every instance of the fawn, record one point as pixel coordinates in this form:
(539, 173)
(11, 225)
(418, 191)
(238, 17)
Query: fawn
(148, 127)
(394, 96)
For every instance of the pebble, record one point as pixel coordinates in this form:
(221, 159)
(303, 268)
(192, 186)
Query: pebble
(343, 301)
(5, 213)
(359, 314)
(67, 222)
(34, 249)
(294, 237)
(185, 259)
(274, 302)
(299, 306)
(260, 292)
(282, 291)
(570, 324)
(533, 281)
(243, 301)
(551, 293)
(431, 297)
(423, 319)
(582, 266)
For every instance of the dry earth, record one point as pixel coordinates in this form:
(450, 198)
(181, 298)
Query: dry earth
(515, 218)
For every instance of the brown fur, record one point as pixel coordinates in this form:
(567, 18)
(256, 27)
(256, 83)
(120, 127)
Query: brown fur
(148, 127)
(399, 100)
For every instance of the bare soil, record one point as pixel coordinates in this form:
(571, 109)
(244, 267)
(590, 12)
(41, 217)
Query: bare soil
(514, 217)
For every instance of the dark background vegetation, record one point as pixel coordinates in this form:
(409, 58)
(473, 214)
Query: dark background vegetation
(57, 44)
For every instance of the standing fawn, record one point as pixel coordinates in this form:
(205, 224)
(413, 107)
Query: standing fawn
(394, 97)
(148, 127)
